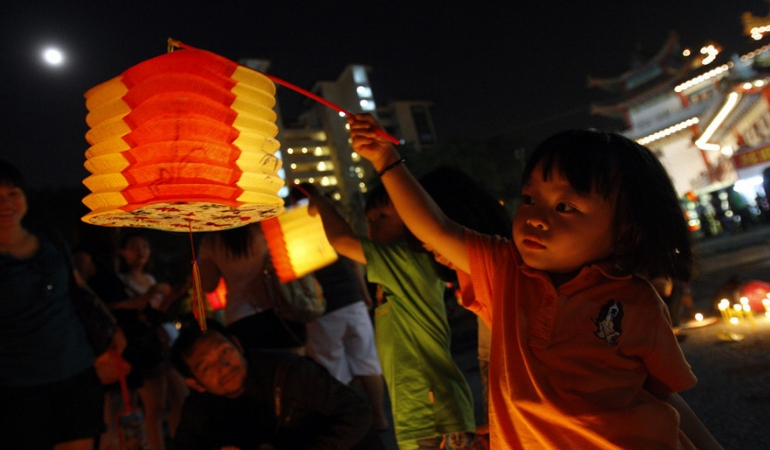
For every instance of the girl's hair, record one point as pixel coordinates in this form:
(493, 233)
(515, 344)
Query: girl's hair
(650, 232)
(11, 176)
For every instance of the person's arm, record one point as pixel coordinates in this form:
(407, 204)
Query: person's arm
(415, 207)
(338, 231)
(691, 425)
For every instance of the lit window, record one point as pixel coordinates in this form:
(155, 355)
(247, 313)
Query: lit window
(364, 91)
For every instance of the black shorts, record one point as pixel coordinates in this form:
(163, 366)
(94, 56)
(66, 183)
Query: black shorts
(38, 417)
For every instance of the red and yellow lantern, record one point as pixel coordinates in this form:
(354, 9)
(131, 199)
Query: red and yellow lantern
(183, 141)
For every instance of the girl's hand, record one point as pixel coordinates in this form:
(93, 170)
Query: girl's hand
(367, 143)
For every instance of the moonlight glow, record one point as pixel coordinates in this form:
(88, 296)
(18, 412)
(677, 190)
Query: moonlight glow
(53, 56)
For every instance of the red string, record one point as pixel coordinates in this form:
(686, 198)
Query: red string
(306, 93)
(301, 189)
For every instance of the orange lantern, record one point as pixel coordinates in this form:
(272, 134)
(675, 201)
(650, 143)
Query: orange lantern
(218, 297)
(183, 141)
(297, 243)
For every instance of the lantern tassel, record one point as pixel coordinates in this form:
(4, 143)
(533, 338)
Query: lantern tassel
(198, 305)
(174, 43)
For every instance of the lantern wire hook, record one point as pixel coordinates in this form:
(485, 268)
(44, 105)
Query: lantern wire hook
(198, 305)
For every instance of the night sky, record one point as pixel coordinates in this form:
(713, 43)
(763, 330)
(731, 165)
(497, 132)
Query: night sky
(489, 67)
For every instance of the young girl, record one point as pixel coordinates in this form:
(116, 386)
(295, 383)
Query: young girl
(429, 395)
(583, 355)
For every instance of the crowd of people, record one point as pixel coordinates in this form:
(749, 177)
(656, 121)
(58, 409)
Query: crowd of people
(576, 347)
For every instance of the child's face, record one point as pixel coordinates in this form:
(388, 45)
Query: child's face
(559, 230)
(385, 225)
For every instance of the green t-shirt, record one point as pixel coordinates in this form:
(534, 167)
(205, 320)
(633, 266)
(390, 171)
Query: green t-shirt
(428, 392)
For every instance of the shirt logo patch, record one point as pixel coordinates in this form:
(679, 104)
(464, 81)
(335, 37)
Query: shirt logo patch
(608, 323)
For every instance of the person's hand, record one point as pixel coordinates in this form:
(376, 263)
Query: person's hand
(367, 143)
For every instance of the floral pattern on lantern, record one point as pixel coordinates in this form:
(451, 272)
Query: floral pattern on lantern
(183, 141)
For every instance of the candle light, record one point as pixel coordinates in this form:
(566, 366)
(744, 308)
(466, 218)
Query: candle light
(724, 305)
(746, 310)
(736, 314)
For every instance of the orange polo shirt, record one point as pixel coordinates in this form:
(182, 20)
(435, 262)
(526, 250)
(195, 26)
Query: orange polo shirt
(574, 367)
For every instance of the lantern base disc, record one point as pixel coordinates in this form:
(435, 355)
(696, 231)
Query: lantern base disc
(184, 216)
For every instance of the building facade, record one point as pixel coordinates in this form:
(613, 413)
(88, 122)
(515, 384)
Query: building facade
(706, 115)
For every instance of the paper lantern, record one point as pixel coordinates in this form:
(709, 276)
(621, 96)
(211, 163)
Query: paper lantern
(183, 141)
(297, 243)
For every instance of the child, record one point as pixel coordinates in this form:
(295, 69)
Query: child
(583, 355)
(429, 395)
(467, 203)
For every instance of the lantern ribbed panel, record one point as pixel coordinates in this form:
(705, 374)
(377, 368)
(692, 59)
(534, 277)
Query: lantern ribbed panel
(183, 141)
(297, 243)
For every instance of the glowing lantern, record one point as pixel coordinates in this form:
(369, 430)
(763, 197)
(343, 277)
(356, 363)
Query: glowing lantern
(183, 141)
(218, 297)
(297, 243)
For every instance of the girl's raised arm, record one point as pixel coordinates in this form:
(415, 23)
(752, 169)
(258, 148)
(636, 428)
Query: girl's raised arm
(417, 209)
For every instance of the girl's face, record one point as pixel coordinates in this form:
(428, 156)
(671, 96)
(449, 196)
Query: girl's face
(136, 253)
(559, 230)
(385, 225)
(13, 206)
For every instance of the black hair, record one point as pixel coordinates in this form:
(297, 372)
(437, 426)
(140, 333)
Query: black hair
(184, 343)
(377, 197)
(466, 202)
(11, 176)
(650, 232)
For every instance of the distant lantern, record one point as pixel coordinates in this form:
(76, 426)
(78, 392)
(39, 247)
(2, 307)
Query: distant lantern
(297, 243)
(183, 141)
(218, 297)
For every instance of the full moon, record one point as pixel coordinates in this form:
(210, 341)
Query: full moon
(53, 56)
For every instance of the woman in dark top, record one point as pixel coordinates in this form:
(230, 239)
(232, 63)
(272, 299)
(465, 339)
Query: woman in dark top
(50, 396)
